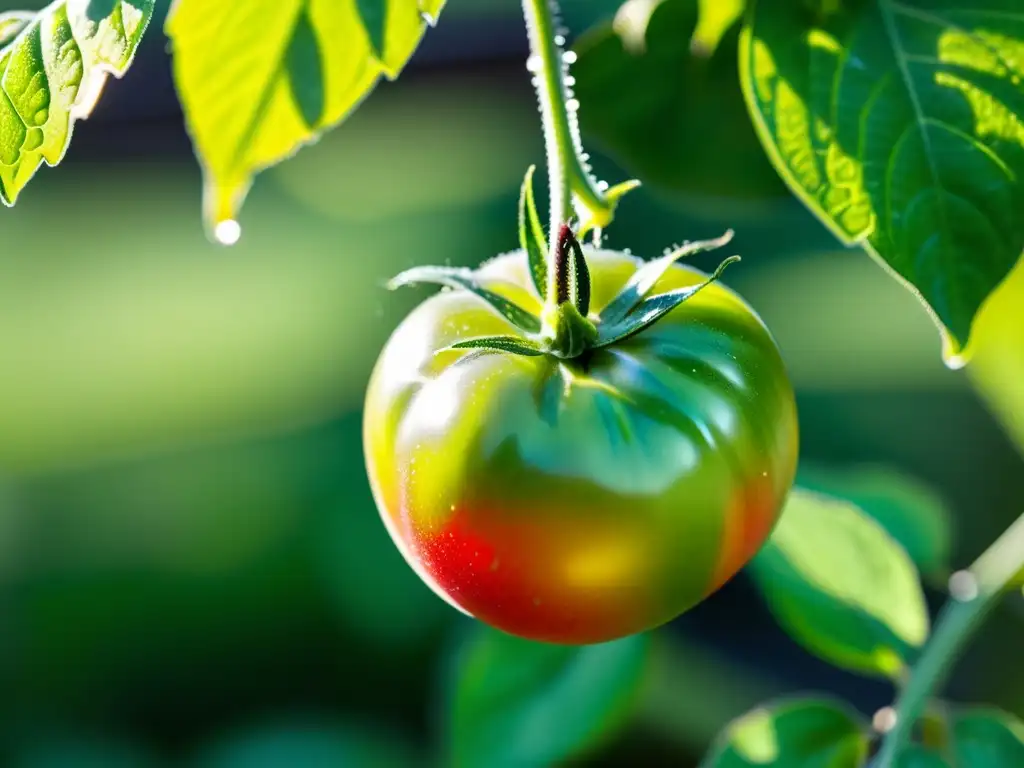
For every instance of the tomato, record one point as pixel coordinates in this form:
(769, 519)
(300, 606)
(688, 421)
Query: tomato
(580, 500)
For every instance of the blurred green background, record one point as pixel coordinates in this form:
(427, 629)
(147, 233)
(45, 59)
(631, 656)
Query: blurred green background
(192, 571)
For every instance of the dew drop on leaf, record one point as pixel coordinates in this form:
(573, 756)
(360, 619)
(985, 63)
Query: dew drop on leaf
(227, 232)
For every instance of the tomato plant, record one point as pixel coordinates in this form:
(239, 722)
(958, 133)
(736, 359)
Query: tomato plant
(575, 445)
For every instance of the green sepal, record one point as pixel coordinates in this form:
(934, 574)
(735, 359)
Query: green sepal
(644, 279)
(464, 279)
(531, 235)
(12, 24)
(568, 333)
(598, 219)
(511, 344)
(579, 289)
(654, 308)
(572, 275)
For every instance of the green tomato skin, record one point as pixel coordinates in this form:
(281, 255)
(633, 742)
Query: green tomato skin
(585, 500)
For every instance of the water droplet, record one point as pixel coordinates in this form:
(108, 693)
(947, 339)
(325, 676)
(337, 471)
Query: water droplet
(963, 586)
(569, 57)
(602, 186)
(559, 40)
(570, 81)
(572, 105)
(227, 232)
(955, 362)
(533, 64)
(884, 720)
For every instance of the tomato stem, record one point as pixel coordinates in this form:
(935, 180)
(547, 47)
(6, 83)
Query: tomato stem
(974, 593)
(571, 184)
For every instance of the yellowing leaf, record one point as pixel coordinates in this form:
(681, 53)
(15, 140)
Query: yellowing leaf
(261, 78)
(997, 368)
(52, 71)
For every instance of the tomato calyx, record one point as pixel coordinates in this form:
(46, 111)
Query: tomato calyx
(566, 327)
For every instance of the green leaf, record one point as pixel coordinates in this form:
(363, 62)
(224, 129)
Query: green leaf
(260, 79)
(51, 74)
(658, 100)
(511, 344)
(651, 310)
(643, 280)
(841, 586)
(899, 123)
(518, 703)
(806, 733)
(911, 512)
(989, 738)
(997, 367)
(464, 279)
(715, 18)
(915, 756)
(12, 23)
(531, 235)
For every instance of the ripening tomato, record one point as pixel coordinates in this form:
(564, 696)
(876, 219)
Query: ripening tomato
(580, 499)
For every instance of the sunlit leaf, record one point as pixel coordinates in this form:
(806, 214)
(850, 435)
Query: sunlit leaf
(51, 74)
(518, 703)
(841, 586)
(12, 23)
(716, 17)
(899, 123)
(259, 79)
(911, 512)
(997, 368)
(662, 104)
(793, 734)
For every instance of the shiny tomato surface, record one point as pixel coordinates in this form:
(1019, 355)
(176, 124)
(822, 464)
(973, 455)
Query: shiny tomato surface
(578, 501)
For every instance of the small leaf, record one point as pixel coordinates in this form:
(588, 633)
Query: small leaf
(518, 703)
(643, 280)
(988, 737)
(453, 277)
(911, 512)
(512, 344)
(841, 586)
(900, 126)
(261, 78)
(805, 732)
(51, 74)
(12, 23)
(654, 308)
(531, 235)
